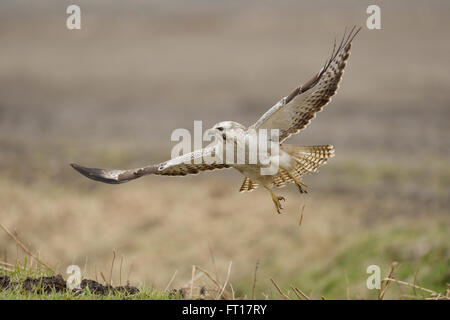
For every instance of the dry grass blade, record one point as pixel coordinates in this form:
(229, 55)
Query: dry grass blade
(171, 280)
(347, 287)
(438, 298)
(414, 286)
(225, 295)
(301, 216)
(120, 270)
(226, 281)
(302, 294)
(232, 292)
(391, 273)
(112, 267)
(296, 293)
(20, 244)
(188, 284)
(254, 280)
(192, 281)
(279, 290)
(5, 268)
(415, 280)
(6, 264)
(104, 278)
(95, 272)
(129, 272)
(84, 274)
(213, 260)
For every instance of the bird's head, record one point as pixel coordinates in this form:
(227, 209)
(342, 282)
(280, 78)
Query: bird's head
(225, 129)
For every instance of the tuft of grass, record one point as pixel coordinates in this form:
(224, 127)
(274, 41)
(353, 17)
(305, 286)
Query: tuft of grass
(21, 272)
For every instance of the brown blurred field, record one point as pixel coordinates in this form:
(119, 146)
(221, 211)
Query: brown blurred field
(110, 95)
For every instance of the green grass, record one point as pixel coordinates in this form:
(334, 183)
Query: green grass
(421, 254)
(422, 259)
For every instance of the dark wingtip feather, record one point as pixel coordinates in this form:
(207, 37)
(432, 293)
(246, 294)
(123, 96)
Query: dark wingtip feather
(95, 174)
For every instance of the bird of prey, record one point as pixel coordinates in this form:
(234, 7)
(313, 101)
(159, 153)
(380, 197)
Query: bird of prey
(289, 115)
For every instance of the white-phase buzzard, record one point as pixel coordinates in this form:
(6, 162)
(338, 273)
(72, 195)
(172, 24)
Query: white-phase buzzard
(289, 115)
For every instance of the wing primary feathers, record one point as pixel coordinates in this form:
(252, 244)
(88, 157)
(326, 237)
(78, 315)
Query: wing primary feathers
(179, 166)
(295, 111)
(346, 39)
(113, 176)
(102, 175)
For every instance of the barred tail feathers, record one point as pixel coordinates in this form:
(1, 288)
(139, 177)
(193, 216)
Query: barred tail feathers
(309, 158)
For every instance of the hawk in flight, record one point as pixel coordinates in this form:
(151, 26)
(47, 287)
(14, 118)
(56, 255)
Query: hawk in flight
(288, 116)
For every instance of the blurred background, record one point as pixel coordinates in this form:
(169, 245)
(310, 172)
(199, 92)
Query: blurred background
(110, 95)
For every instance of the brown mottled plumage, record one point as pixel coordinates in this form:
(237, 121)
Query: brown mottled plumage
(294, 112)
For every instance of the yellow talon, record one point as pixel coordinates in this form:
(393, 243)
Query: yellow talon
(276, 200)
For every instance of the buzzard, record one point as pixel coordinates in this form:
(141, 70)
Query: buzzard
(288, 116)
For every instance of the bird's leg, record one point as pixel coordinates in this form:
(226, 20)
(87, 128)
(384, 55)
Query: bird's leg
(300, 185)
(276, 200)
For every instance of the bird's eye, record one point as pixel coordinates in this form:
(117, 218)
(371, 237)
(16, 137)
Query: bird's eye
(220, 128)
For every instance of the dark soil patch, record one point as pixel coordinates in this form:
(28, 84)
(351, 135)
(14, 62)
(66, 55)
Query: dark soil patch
(127, 289)
(98, 288)
(45, 284)
(4, 282)
(58, 284)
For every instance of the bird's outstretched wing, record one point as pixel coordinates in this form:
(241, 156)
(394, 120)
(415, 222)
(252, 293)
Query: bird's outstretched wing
(295, 111)
(190, 163)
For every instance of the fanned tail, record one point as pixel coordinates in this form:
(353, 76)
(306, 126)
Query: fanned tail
(309, 158)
